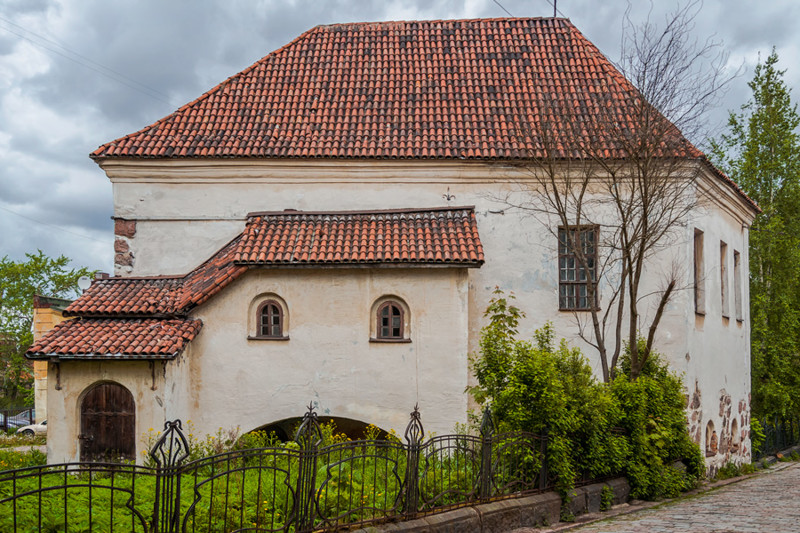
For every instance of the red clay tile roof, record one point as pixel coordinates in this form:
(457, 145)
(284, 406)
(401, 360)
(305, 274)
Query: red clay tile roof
(445, 235)
(448, 89)
(428, 236)
(128, 297)
(89, 338)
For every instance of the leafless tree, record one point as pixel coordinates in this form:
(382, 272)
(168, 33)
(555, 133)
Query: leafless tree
(614, 154)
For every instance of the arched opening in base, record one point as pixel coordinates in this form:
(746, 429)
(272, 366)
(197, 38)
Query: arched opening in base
(285, 429)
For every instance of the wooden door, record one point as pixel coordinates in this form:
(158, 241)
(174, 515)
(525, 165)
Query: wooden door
(108, 424)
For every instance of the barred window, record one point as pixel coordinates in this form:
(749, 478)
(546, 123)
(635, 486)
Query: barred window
(390, 321)
(577, 267)
(270, 320)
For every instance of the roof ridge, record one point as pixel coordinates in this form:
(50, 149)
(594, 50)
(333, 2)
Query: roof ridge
(435, 21)
(255, 214)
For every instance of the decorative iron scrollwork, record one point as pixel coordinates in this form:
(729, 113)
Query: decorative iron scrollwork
(414, 431)
(309, 433)
(172, 448)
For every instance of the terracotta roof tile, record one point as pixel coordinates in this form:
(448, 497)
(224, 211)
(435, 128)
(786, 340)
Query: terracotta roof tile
(430, 236)
(450, 89)
(446, 235)
(89, 338)
(128, 297)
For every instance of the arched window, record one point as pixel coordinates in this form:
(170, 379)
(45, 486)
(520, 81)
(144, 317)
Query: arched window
(390, 321)
(269, 320)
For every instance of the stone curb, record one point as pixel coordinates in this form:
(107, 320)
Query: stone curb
(533, 514)
(637, 505)
(536, 511)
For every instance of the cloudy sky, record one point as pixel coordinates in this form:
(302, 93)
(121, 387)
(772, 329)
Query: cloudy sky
(75, 74)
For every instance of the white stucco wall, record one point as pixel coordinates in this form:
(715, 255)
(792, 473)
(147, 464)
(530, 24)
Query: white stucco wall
(77, 377)
(185, 211)
(329, 359)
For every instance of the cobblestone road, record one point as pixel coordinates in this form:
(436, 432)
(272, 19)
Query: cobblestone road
(766, 503)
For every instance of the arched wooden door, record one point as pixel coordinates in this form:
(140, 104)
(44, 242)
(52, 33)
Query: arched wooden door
(108, 424)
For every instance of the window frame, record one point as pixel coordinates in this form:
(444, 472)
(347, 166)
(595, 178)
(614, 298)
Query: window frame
(564, 300)
(698, 281)
(737, 286)
(281, 321)
(724, 289)
(377, 321)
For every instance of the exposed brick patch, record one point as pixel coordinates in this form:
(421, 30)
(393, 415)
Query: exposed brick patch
(121, 246)
(124, 228)
(695, 415)
(125, 259)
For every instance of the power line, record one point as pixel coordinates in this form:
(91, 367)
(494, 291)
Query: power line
(555, 9)
(503, 8)
(86, 62)
(52, 226)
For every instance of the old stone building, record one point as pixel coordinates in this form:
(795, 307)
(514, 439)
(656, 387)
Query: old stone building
(328, 225)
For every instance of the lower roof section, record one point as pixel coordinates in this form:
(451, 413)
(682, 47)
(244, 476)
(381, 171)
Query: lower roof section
(421, 237)
(123, 338)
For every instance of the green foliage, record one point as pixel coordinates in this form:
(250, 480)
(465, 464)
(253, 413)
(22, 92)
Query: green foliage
(761, 152)
(13, 440)
(19, 282)
(757, 435)
(606, 498)
(654, 420)
(542, 387)
(730, 470)
(10, 460)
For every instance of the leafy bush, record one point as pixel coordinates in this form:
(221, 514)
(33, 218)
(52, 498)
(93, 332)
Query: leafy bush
(539, 387)
(757, 436)
(10, 460)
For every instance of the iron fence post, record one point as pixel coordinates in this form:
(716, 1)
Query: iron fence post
(543, 440)
(414, 434)
(168, 453)
(487, 433)
(309, 437)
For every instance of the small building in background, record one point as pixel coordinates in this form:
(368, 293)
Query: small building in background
(47, 312)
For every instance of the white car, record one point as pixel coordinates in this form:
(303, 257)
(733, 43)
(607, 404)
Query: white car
(33, 429)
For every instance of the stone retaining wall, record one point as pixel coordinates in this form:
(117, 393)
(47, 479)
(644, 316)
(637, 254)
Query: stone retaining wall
(506, 515)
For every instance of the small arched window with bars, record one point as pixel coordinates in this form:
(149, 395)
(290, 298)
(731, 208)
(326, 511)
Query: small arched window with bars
(270, 320)
(390, 321)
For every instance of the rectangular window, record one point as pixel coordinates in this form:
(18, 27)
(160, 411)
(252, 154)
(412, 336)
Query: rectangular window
(737, 285)
(577, 267)
(723, 280)
(699, 274)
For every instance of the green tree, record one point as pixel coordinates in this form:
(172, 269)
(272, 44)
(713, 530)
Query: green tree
(19, 282)
(761, 152)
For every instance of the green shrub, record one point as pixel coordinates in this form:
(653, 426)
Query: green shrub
(10, 460)
(757, 436)
(606, 498)
(539, 387)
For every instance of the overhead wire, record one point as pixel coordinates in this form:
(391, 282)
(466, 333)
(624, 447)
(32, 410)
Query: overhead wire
(52, 225)
(84, 61)
(503, 8)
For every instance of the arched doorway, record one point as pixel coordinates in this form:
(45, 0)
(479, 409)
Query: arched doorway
(108, 423)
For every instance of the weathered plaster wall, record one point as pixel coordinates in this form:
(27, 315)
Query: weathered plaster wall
(184, 211)
(328, 358)
(77, 377)
(718, 348)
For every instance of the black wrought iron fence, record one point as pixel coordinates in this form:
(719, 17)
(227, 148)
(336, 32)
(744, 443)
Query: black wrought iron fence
(298, 487)
(779, 434)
